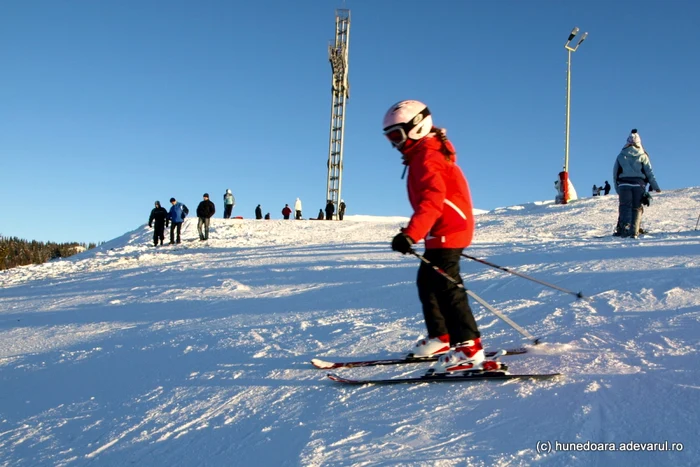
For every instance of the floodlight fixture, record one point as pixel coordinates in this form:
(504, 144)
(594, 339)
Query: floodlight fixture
(583, 38)
(569, 49)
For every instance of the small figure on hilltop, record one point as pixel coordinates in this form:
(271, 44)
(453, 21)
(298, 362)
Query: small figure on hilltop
(177, 214)
(267, 216)
(341, 210)
(297, 208)
(606, 188)
(286, 211)
(160, 216)
(205, 211)
(320, 215)
(631, 172)
(258, 212)
(330, 209)
(596, 191)
(229, 203)
(442, 215)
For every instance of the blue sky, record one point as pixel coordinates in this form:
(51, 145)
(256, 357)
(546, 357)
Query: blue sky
(106, 107)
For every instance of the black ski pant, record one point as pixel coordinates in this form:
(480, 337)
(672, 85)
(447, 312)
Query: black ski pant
(298, 215)
(445, 306)
(227, 211)
(158, 233)
(173, 227)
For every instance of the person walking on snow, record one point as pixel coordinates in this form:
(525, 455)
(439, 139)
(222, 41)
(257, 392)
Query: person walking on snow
(297, 208)
(177, 214)
(205, 211)
(442, 205)
(631, 173)
(160, 216)
(229, 203)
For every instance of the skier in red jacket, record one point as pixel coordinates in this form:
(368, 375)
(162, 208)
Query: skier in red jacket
(439, 195)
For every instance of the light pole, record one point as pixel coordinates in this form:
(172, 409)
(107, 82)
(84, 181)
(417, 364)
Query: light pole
(564, 179)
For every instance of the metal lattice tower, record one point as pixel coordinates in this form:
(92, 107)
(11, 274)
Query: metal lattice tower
(338, 56)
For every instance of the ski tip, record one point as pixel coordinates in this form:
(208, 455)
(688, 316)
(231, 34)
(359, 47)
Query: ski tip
(339, 379)
(322, 364)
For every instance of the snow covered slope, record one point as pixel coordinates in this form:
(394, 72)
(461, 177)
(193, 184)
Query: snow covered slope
(197, 355)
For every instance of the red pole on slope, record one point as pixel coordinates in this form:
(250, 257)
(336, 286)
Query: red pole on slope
(564, 185)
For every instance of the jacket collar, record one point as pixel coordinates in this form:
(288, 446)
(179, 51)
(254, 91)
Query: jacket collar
(430, 142)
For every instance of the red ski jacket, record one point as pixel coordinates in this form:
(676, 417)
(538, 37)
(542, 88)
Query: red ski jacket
(439, 195)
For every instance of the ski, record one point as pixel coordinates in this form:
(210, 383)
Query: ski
(325, 365)
(444, 378)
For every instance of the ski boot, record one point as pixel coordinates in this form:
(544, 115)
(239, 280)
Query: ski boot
(468, 357)
(431, 346)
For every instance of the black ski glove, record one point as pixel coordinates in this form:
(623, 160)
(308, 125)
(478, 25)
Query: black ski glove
(402, 243)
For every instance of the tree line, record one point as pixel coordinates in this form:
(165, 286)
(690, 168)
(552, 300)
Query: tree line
(19, 252)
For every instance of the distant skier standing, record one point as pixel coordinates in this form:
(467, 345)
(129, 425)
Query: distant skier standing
(341, 210)
(297, 208)
(439, 195)
(330, 209)
(606, 188)
(631, 173)
(205, 211)
(229, 203)
(286, 211)
(258, 212)
(160, 216)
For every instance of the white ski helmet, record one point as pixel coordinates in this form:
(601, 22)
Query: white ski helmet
(407, 120)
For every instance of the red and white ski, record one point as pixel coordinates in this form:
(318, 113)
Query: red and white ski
(326, 365)
(444, 378)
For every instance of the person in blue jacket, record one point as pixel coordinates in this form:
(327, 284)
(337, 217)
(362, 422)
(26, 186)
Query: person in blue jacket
(177, 214)
(631, 173)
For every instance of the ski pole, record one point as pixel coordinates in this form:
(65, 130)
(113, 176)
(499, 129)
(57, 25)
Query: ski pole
(509, 321)
(519, 274)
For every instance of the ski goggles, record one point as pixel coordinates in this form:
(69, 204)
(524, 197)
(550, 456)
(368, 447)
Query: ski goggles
(398, 134)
